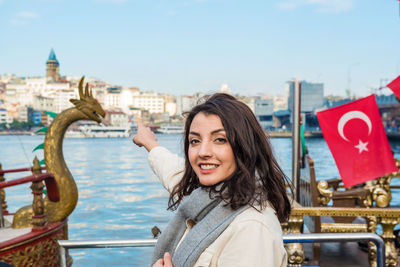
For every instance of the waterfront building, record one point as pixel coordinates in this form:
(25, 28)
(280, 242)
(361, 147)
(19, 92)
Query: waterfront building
(225, 89)
(61, 92)
(16, 93)
(4, 117)
(36, 117)
(282, 119)
(389, 108)
(7, 77)
(134, 113)
(184, 103)
(113, 97)
(127, 95)
(249, 101)
(43, 103)
(36, 85)
(170, 108)
(150, 101)
(61, 99)
(264, 110)
(23, 114)
(312, 96)
(312, 99)
(187, 102)
(116, 118)
(52, 67)
(280, 102)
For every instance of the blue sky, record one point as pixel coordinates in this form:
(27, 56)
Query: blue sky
(186, 46)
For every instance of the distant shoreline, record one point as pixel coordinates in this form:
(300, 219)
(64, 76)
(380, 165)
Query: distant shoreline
(271, 134)
(288, 134)
(16, 133)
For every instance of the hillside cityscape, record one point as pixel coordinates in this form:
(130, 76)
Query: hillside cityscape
(25, 102)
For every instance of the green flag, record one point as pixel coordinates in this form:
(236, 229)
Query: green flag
(42, 130)
(303, 141)
(38, 147)
(51, 114)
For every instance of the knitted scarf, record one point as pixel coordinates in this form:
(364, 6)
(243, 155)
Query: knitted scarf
(212, 217)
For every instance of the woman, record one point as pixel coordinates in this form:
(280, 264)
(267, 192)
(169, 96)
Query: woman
(230, 195)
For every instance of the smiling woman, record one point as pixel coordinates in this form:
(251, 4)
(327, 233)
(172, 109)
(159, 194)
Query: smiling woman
(229, 190)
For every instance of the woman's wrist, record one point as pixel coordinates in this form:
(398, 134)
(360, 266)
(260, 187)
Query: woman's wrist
(150, 146)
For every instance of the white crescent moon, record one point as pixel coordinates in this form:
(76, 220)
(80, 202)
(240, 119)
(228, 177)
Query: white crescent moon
(353, 115)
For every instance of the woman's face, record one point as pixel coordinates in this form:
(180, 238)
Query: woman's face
(210, 153)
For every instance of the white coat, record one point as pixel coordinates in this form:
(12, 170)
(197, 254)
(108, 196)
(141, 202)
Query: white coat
(253, 239)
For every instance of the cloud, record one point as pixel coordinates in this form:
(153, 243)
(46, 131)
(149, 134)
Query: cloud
(331, 6)
(23, 17)
(320, 6)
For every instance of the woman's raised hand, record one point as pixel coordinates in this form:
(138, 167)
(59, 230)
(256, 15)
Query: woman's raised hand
(145, 137)
(165, 262)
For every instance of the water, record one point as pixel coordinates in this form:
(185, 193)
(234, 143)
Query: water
(119, 196)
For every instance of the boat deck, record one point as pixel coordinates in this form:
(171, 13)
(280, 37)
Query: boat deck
(7, 233)
(339, 254)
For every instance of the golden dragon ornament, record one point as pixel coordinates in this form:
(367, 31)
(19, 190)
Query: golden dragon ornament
(86, 108)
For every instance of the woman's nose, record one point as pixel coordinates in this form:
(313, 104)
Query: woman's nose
(205, 150)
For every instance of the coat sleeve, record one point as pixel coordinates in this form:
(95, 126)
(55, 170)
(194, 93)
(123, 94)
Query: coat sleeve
(167, 166)
(253, 244)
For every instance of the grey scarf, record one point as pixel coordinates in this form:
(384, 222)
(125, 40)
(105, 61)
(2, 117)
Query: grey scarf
(212, 217)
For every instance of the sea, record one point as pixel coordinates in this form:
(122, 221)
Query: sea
(119, 196)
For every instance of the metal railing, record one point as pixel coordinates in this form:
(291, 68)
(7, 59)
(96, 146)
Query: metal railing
(292, 238)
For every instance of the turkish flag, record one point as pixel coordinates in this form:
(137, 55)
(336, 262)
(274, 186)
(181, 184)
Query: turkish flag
(395, 86)
(357, 140)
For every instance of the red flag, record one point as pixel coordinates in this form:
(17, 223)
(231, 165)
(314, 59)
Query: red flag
(395, 86)
(357, 140)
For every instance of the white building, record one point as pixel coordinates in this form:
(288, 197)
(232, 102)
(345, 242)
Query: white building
(61, 93)
(16, 92)
(117, 118)
(4, 117)
(31, 92)
(152, 102)
(280, 103)
(113, 97)
(171, 108)
(185, 103)
(42, 103)
(225, 89)
(23, 114)
(36, 85)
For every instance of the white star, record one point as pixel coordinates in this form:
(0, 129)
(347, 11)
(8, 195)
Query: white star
(361, 146)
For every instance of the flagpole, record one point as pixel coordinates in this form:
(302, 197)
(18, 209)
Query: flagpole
(296, 140)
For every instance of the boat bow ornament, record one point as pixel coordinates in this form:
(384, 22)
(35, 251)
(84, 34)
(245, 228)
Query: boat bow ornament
(86, 108)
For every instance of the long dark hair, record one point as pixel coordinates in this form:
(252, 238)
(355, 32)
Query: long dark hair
(257, 178)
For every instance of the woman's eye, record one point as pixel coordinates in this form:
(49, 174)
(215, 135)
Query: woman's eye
(221, 140)
(193, 141)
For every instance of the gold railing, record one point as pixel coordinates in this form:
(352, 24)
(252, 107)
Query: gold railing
(388, 218)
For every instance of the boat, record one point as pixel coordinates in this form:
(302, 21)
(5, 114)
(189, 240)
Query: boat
(103, 131)
(171, 129)
(98, 131)
(28, 236)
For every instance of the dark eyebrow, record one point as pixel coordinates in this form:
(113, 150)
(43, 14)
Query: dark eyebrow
(194, 133)
(213, 132)
(217, 131)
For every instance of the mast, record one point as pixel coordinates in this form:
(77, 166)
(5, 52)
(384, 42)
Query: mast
(296, 140)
